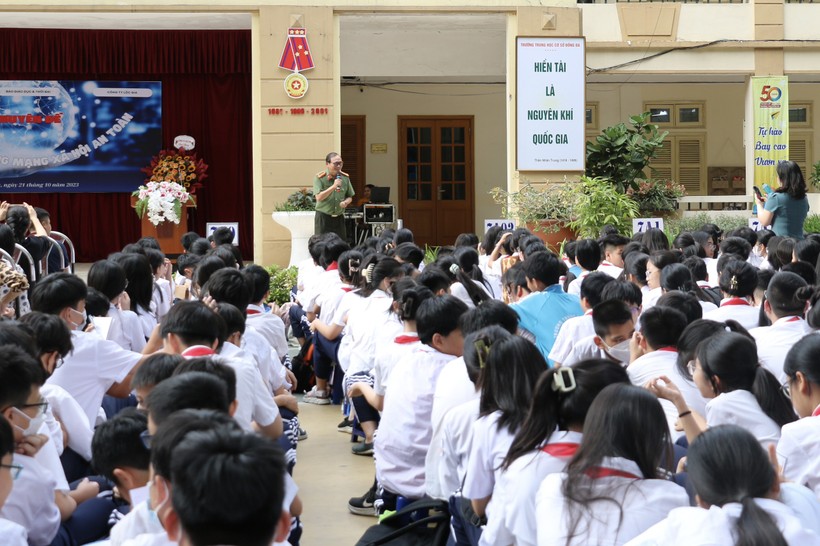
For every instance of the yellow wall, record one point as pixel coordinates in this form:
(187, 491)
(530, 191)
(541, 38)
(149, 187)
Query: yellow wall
(383, 106)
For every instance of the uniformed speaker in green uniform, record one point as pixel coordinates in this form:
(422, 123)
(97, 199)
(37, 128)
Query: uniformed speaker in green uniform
(334, 193)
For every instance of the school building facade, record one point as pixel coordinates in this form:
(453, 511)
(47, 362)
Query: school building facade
(420, 96)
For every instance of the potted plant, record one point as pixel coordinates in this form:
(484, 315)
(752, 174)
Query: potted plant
(598, 205)
(297, 214)
(282, 281)
(547, 212)
(656, 197)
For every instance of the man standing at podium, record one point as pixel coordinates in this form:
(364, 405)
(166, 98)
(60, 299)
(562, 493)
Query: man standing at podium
(333, 195)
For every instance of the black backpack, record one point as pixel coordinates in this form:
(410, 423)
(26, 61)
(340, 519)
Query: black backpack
(425, 522)
(302, 367)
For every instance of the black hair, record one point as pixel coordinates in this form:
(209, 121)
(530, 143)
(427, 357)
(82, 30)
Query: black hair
(592, 291)
(192, 390)
(531, 246)
(222, 236)
(434, 279)
(517, 235)
(679, 277)
(117, 443)
(96, 304)
(350, 265)
(409, 295)
(726, 464)
(409, 253)
(623, 421)
(177, 425)
(634, 246)
(785, 250)
(662, 258)
(696, 332)
(376, 269)
(155, 369)
(225, 254)
(188, 238)
(108, 277)
(609, 313)
(331, 252)
(515, 278)
(228, 487)
(655, 240)
(764, 236)
(439, 315)
(791, 179)
(133, 248)
(685, 302)
(712, 230)
(466, 239)
(188, 261)
(738, 279)
(402, 235)
(613, 240)
(206, 268)
(41, 213)
(736, 245)
(802, 269)
(213, 367)
(733, 359)
(18, 219)
(491, 237)
(697, 267)
(200, 247)
(746, 234)
(771, 252)
(544, 267)
(803, 357)
(56, 291)
(787, 294)
(662, 326)
(6, 438)
(233, 317)
(552, 409)
(475, 354)
(50, 333)
(504, 388)
(7, 239)
(469, 271)
(258, 280)
(489, 313)
(149, 243)
(140, 281)
(155, 257)
(683, 240)
(19, 372)
(193, 322)
(16, 333)
(724, 260)
(588, 254)
(229, 286)
(635, 267)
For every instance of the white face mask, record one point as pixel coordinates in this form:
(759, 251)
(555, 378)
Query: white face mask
(83, 314)
(34, 423)
(619, 352)
(138, 495)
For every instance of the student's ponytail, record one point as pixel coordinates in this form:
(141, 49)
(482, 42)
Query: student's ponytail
(477, 295)
(726, 464)
(769, 395)
(350, 267)
(408, 294)
(374, 270)
(556, 407)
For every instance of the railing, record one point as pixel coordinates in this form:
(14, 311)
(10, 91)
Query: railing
(737, 204)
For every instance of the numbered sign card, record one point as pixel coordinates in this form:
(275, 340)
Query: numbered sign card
(505, 223)
(640, 225)
(550, 107)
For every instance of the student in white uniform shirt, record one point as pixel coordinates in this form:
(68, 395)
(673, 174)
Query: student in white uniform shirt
(614, 325)
(655, 354)
(635, 269)
(162, 292)
(577, 328)
(108, 277)
(785, 305)
(800, 441)
(612, 489)
(95, 367)
(406, 429)
(13, 534)
(263, 321)
(588, 258)
(740, 391)
(470, 287)
(738, 281)
(140, 288)
(546, 441)
(678, 277)
(656, 262)
(505, 397)
(613, 246)
(737, 498)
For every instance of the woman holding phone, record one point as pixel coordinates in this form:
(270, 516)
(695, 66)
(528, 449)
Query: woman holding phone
(786, 208)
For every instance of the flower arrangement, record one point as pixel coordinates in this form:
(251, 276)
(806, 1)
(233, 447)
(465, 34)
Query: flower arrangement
(180, 166)
(162, 201)
(656, 195)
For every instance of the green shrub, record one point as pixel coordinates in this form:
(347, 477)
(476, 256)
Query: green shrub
(693, 223)
(812, 223)
(282, 281)
(600, 205)
(301, 200)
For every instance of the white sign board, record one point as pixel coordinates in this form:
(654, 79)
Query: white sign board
(640, 225)
(506, 225)
(754, 224)
(550, 104)
(210, 227)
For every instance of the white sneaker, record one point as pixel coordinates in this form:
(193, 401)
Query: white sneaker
(314, 396)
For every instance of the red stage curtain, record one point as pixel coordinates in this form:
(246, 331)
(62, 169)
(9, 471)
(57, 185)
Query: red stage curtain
(206, 93)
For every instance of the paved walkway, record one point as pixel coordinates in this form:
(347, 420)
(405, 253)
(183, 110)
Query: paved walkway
(328, 474)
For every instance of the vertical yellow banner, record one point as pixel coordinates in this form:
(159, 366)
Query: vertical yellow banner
(771, 127)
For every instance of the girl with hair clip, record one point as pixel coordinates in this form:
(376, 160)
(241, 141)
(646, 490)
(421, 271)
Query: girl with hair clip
(613, 488)
(547, 439)
(510, 369)
(737, 490)
(679, 277)
(800, 442)
(328, 326)
(738, 282)
(740, 391)
(470, 286)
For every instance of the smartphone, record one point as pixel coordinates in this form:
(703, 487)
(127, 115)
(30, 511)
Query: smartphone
(757, 192)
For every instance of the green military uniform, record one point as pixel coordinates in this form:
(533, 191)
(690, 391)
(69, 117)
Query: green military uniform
(329, 213)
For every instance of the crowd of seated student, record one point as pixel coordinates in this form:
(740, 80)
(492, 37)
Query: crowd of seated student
(482, 397)
(624, 392)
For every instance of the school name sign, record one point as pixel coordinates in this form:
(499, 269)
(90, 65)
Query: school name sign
(550, 104)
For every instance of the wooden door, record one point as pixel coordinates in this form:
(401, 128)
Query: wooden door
(436, 178)
(353, 152)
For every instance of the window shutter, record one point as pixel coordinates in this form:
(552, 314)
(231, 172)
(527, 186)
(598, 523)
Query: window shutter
(691, 166)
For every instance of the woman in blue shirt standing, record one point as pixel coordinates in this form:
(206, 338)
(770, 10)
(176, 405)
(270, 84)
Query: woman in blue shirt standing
(785, 210)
